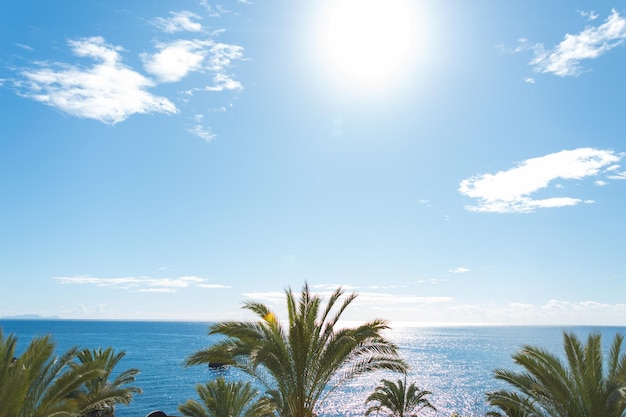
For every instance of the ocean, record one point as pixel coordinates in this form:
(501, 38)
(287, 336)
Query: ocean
(455, 363)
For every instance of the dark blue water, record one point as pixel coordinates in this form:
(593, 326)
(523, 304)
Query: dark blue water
(455, 363)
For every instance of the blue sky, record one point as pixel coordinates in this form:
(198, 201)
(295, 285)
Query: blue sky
(452, 162)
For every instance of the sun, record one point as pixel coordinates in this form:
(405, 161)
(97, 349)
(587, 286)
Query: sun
(370, 40)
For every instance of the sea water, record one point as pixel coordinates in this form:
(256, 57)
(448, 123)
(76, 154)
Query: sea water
(455, 363)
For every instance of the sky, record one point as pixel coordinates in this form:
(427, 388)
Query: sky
(451, 162)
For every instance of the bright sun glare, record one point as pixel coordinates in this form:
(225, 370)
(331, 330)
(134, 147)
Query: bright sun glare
(370, 40)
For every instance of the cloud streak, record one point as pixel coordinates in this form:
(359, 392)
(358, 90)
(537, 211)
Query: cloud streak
(141, 284)
(510, 191)
(565, 58)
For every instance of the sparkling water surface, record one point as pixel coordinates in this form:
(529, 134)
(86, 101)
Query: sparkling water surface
(455, 363)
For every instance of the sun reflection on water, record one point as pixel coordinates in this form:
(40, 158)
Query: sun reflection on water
(456, 364)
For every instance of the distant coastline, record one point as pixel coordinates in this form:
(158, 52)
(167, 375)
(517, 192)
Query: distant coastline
(30, 317)
(394, 325)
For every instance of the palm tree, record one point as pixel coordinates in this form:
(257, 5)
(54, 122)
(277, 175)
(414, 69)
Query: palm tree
(398, 399)
(510, 404)
(98, 396)
(301, 363)
(37, 383)
(584, 386)
(227, 399)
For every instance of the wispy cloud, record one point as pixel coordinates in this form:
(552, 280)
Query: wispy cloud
(565, 58)
(202, 132)
(213, 286)
(274, 297)
(431, 281)
(214, 11)
(141, 284)
(364, 298)
(333, 287)
(107, 91)
(459, 270)
(25, 47)
(386, 287)
(222, 82)
(183, 21)
(378, 298)
(561, 312)
(510, 191)
(591, 15)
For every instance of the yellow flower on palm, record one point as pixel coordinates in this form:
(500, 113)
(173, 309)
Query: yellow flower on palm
(270, 318)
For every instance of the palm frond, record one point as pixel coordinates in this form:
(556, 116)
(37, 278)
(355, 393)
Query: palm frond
(584, 386)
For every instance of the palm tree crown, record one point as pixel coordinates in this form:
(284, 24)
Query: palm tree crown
(98, 396)
(584, 386)
(227, 399)
(37, 383)
(301, 363)
(398, 399)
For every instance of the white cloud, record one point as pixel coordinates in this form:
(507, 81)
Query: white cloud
(177, 59)
(510, 191)
(108, 91)
(141, 284)
(179, 22)
(592, 42)
(97, 84)
(459, 270)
